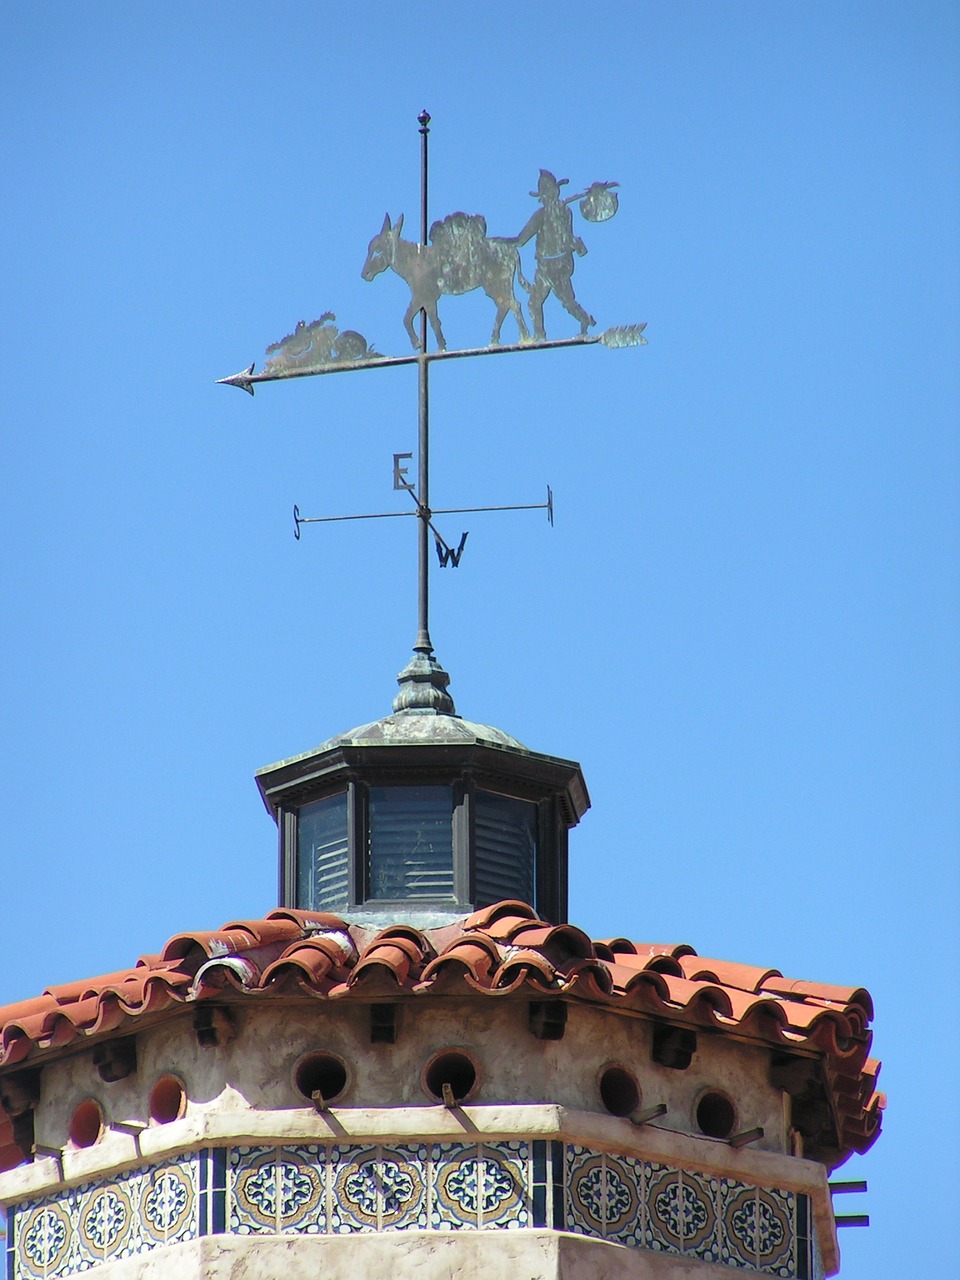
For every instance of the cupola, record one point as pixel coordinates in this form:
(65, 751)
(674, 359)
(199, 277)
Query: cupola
(423, 814)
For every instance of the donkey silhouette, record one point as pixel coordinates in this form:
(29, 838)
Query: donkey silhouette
(459, 258)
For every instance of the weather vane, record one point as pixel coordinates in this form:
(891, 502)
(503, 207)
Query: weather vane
(457, 257)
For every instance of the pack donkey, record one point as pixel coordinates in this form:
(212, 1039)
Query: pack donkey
(459, 258)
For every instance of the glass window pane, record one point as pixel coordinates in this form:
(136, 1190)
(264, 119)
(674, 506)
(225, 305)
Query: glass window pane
(322, 853)
(506, 843)
(411, 842)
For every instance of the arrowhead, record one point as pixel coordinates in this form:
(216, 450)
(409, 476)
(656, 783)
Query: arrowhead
(241, 380)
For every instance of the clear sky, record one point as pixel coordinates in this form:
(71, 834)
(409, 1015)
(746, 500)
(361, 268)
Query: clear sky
(745, 623)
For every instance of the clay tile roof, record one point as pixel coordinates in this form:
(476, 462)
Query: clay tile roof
(497, 951)
(745, 977)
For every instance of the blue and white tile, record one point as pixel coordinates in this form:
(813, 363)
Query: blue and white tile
(402, 1181)
(699, 1196)
(585, 1191)
(252, 1190)
(456, 1185)
(355, 1189)
(168, 1203)
(107, 1225)
(505, 1198)
(776, 1232)
(664, 1231)
(737, 1211)
(623, 1200)
(44, 1232)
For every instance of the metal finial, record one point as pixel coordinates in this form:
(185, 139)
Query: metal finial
(423, 687)
(423, 119)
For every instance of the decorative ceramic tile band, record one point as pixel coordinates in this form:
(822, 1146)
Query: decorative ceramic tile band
(343, 1189)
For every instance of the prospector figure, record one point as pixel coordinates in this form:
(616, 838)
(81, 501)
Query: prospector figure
(556, 244)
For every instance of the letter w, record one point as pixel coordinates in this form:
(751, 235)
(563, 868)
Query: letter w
(447, 555)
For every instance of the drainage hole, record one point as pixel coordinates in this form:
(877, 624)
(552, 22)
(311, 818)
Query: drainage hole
(86, 1124)
(452, 1068)
(716, 1115)
(619, 1091)
(168, 1098)
(321, 1073)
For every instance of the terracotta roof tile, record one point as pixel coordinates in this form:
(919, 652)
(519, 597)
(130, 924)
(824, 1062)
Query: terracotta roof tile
(496, 951)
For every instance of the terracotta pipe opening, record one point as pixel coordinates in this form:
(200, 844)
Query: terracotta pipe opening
(168, 1100)
(454, 1068)
(716, 1115)
(86, 1123)
(619, 1090)
(321, 1077)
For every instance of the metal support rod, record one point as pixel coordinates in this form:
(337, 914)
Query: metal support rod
(853, 1220)
(423, 644)
(745, 1137)
(640, 1118)
(846, 1188)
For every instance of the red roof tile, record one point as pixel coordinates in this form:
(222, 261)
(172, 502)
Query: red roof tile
(496, 951)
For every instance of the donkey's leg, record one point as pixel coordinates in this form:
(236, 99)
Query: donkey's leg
(431, 310)
(517, 312)
(412, 310)
(502, 308)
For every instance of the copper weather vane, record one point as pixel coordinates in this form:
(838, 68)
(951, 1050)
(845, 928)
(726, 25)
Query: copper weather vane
(456, 257)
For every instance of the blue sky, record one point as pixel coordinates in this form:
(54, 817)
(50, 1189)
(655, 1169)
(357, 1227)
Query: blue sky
(745, 622)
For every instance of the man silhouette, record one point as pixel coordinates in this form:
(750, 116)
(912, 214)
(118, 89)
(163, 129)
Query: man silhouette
(552, 224)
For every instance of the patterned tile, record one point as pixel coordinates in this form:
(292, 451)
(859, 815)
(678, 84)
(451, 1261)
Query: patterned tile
(737, 1207)
(622, 1199)
(354, 1189)
(107, 1225)
(664, 1230)
(251, 1198)
(505, 1196)
(776, 1237)
(403, 1178)
(701, 1230)
(456, 1187)
(509, 1184)
(300, 1213)
(168, 1203)
(44, 1234)
(584, 1191)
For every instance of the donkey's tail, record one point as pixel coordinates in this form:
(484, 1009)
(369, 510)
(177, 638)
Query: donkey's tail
(524, 282)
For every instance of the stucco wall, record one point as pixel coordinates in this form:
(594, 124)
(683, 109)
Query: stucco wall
(428, 1255)
(256, 1069)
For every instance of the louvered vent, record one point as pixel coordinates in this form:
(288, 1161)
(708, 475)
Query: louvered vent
(411, 843)
(322, 853)
(506, 844)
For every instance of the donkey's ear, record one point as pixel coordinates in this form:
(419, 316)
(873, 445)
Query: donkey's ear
(398, 225)
(386, 224)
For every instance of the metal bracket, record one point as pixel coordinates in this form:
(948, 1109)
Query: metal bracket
(640, 1118)
(744, 1138)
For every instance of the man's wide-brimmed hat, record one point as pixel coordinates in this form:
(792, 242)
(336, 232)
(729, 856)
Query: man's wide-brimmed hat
(548, 182)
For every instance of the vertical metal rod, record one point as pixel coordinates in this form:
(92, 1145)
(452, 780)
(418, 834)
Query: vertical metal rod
(423, 644)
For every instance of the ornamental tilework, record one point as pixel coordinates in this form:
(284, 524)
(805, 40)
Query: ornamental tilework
(605, 1195)
(169, 1202)
(251, 1177)
(505, 1201)
(584, 1171)
(379, 1188)
(623, 1200)
(480, 1186)
(310, 1189)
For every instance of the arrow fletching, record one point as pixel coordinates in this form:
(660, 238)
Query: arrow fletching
(624, 335)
